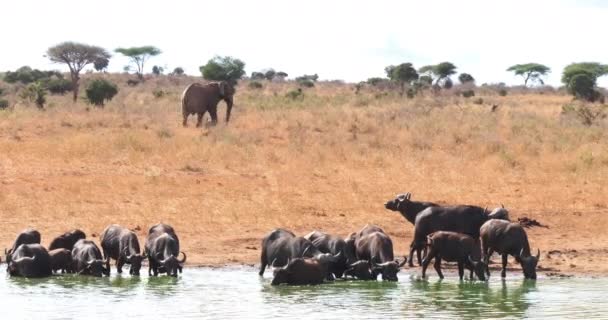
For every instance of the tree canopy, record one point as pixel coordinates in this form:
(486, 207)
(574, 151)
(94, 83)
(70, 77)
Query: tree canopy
(138, 56)
(439, 72)
(465, 78)
(223, 69)
(76, 56)
(581, 79)
(531, 72)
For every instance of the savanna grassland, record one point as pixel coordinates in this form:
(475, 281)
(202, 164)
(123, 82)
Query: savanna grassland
(327, 160)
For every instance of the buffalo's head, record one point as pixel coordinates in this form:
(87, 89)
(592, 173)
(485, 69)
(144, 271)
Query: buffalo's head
(499, 213)
(135, 261)
(528, 264)
(480, 268)
(96, 267)
(388, 269)
(172, 265)
(399, 203)
(360, 270)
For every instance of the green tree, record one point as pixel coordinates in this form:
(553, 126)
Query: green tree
(531, 72)
(269, 74)
(404, 74)
(76, 56)
(465, 78)
(99, 91)
(443, 71)
(157, 71)
(34, 92)
(101, 64)
(139, 56)
(28, 75)
(258, 75)
(223, 69)
(282, 75)
(581, 79)
(177, 71)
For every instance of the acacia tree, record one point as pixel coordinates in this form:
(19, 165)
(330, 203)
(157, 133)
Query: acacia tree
(581, 79)
(223, 69)
(138, 57)
(402, 74)
(530, 72)
(465, 78)
(439, 72)
(76, 56)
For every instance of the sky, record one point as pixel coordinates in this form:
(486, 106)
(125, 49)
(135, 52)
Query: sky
(346, 40)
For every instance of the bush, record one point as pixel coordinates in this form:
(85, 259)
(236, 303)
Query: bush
(465, 78)
(223, 69)
(255, 85)
(177, 71)
(468, 93)
(306, 83)
(157, 71)
(448, 84)
(99, 91)
(3, 104)
(59, 86)
(582, 86)
(1, 91)
(34, 92)
(587, 114)
(502, 92)
(28, 75)
(257, 76)
(159, 93)
(295, 94)
(478, 101)
(410, 93)
(311, 77)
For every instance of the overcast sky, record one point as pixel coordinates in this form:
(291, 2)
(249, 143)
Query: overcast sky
(349, 40)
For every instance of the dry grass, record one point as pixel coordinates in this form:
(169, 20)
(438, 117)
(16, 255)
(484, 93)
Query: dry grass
(328, 161)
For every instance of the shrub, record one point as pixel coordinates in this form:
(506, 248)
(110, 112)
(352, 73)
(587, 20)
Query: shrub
(375, 81)
(257, 75)
(177, 71)
(310, 77)
(582, 86)
(132, 82)
(468, 93)
(295, 94)
(99, 91)
(3, 104)
(157, 71)
(255, 85)
(465, 78)
(59, 86)
(28, 75)
(34, 92)
(306, 83)
(159, 93)
(588, 115)
(223, 69)
(448, 84)
(502, 92)
(478, 101)
(410, 93)
(1, 91)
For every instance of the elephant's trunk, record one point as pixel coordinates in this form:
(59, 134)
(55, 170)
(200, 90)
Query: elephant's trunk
(228, 109)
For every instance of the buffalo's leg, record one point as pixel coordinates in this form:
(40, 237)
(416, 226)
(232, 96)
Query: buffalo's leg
(262, 264)
(119, 264)
(425, 264)
(185, 122)
(213, 114)
(460, 270)
(199, 119)
(410, 258)
(504, 266)
(419, 255)
(438, 267)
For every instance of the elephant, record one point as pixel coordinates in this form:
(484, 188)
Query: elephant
(200, 98)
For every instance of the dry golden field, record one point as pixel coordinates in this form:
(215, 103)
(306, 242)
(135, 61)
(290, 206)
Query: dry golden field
(327, 161)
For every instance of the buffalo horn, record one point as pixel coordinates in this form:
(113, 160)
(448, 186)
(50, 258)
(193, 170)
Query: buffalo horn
(408, 196)
(402, 263)
(538, 254)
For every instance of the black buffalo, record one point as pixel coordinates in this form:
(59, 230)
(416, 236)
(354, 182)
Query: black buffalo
(31, 261)
(374, 245)
(27, 236)
(409, 210)
(87, 260)
(122, 245)
(61, 260)
(335, 246)
(462, 219)
(67, 240)
(162, 250)
(508, 238)
(300, 271)
(281, 245)
(454, 247)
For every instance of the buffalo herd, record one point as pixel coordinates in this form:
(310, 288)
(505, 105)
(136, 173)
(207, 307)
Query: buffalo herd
(71, 252)
(466, 235)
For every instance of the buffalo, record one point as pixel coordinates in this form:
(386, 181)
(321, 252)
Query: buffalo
(300, 271)
(162, 250)
(374, 245)
(334, 245)
(31, 261)
(462, 219)
(61, 260)
(281, 245)
(454, 247)
(87, 260)
(67, 240)
(409, 210)
(27, 236)
(508, 238)
(122, 245)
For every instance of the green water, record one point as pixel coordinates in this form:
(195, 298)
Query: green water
(238, 293)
